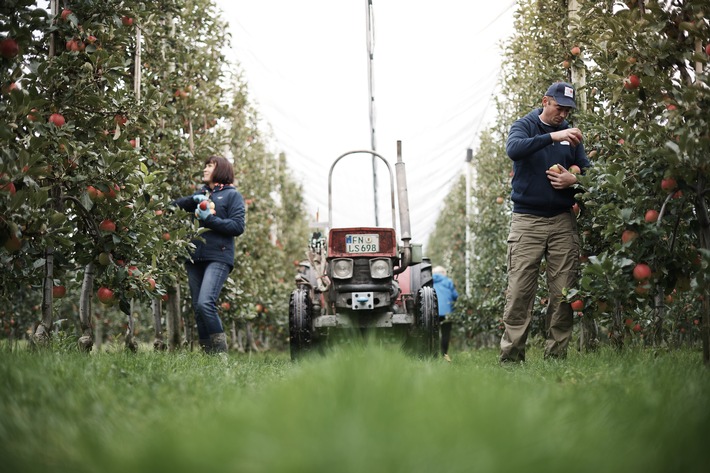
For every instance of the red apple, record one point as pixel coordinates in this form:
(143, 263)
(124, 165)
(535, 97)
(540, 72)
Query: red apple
(225, 305)
(151, 284)
(107, 225)
(127, 21)
(204, 205)
(651, 216)
(668, 184)
(165, 297)
(575, 51)
(32, 116)
(120, 119)
(642, 288)
(57, 119)
(166, 236)
(59, 291)
(65, 14)
(499, 200)
(93, 192)
(628, 235)
(642, 272)
(133, 142)
(574, 169)
(556, 168)
(9, 48)
(577, 305)
(632, 82)
(566, 64)
(105, 295)
(113, 191)
(9, 188)
(75, 45)
(576, 209)
(637, 328)
(707, 49)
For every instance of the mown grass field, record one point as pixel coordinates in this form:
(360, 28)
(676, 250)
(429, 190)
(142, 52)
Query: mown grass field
(359, 409)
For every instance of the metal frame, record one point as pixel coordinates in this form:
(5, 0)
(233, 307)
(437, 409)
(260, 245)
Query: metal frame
(330, 185)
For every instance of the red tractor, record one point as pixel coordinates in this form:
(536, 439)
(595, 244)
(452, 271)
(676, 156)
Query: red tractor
(360, 280)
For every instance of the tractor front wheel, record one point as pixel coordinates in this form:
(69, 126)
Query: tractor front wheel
(300, 317)
(427, 321)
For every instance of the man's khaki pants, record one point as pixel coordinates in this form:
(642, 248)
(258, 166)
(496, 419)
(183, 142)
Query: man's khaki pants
(531, 238)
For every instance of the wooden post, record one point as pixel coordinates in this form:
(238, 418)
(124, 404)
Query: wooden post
(579, 77)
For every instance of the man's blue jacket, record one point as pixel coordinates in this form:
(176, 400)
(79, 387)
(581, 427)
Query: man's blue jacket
(532, 150)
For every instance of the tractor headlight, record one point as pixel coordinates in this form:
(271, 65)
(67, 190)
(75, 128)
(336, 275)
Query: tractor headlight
(343, 268)
(380, 268)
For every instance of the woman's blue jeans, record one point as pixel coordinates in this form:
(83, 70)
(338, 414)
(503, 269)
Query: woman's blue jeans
(206, 280)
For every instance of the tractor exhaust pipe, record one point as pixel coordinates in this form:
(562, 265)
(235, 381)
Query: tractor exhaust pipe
(403, 199)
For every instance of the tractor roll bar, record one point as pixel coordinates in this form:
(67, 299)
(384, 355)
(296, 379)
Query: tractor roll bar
(402, 196)
(330, 184)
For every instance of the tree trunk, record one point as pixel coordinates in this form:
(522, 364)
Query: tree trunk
(617, 328)
(86, 340)
(250, 345)
(701, 209)
(233, 335)
(131, 343)
(158, 342)
(42, 333)
(588, 335)
(98, 333)
(173, 319)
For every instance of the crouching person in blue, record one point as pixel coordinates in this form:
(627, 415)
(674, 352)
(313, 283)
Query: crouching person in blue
(446, 295)
(213, 257)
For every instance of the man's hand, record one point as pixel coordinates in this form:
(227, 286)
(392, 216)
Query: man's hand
(561, 179)
(199, 198)
(572, 135)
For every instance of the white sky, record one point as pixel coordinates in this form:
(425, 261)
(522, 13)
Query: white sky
(435, 69)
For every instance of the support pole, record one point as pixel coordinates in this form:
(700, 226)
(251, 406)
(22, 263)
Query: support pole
(469, 158)
(371, 101)
(579, 76)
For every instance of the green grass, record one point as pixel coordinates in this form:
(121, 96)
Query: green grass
(364, 409)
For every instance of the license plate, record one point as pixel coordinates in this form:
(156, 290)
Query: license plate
(362, 243)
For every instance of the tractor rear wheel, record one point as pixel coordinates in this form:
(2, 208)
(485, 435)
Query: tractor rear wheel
(427, 321)
(300, 317)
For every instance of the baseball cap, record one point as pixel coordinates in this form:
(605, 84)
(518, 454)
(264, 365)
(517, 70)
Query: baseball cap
(563, 93)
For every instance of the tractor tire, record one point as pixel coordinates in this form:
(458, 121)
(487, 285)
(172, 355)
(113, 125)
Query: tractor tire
(427, 321)
(300, 317)
(420, 276)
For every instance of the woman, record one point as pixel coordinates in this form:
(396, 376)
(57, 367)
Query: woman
(213, 259)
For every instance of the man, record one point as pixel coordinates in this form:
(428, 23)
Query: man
(446, 295)
(543, 224)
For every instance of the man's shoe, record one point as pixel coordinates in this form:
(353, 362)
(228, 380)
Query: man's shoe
(447, 358)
